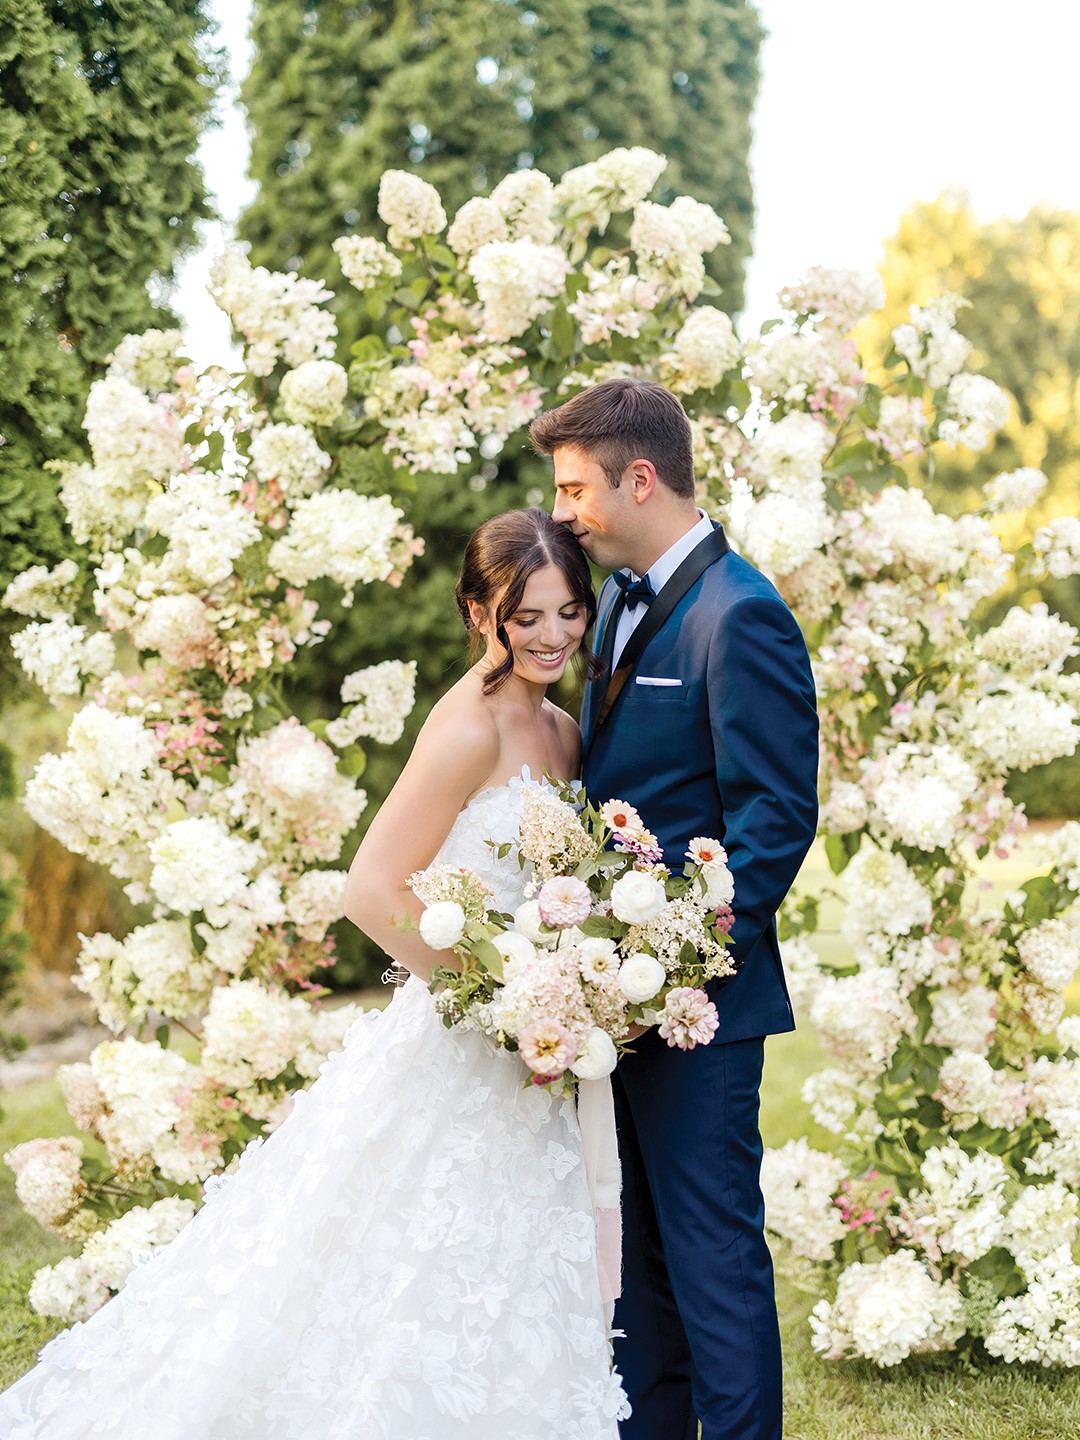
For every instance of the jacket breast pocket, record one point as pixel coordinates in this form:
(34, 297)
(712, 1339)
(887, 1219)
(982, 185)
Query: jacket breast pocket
(657, 690)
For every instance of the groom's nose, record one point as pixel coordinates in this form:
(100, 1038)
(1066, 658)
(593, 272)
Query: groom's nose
(562, 512)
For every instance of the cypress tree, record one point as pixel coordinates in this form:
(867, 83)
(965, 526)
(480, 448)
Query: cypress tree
(101, 108)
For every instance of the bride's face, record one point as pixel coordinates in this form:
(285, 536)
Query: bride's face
(546, 630)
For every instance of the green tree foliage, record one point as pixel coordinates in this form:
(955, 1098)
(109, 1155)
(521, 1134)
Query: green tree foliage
(1022, 278)
(13, 942)
(463, 91)
(101, 108)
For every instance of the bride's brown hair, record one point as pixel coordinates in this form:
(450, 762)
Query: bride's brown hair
(501, 555)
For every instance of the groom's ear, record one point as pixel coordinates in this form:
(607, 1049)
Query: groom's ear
(640, 475)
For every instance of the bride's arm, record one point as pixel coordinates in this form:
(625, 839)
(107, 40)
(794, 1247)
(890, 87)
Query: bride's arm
(455, 754)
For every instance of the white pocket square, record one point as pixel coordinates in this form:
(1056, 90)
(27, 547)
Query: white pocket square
(656, 680)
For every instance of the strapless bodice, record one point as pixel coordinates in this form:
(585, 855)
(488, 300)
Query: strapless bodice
(493, 813)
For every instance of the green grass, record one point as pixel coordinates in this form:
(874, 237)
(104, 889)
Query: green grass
(930, 1398)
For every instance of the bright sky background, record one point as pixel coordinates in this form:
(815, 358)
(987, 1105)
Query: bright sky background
(865, 106)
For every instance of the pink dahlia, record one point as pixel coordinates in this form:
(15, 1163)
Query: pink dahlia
(688, 1018)
(564, 901)
(547, 1047)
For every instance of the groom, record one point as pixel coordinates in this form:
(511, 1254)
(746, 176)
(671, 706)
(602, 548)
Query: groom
(705, 721)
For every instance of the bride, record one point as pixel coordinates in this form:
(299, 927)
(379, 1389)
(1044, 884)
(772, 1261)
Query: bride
(412, 1254)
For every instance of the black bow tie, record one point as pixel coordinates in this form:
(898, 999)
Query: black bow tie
(636, 592)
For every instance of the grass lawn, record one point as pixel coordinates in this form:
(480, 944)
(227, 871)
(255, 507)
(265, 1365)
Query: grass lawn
(924, 1399)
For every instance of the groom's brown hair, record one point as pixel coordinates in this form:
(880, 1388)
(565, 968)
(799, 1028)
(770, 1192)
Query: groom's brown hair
(619, 421)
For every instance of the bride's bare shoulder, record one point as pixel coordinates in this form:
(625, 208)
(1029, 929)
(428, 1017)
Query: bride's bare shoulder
(462, 720)
(569, 733)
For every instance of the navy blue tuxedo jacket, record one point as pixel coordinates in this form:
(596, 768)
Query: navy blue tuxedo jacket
(729, 753)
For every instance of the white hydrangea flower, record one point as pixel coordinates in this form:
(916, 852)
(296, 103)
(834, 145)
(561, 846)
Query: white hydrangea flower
(901, 426)
(251, 1032)
(791, 450)
(961, 1209)
(178, 628)
(48, 1180)
(600, 188)
(141, 1085)
(862, 1017)
(1057, 546)
(197, 863)
(208, 528)
(61, 657)
(1051, 952)
(277, 313)
(1041, 1326)
(314, 393)
(919, 793)
(836, 1098)
(290, 457)
(40, 592)
(616, 302)
(780, 532)
(846, 809)
(887, 1311)
(70, 1290)
(706, 348)
(526, 199)
(382, 696)
(112, 1253)
(149, 360)
(964, 1019)
(365, 261)
(314, 901)
(839, 299)
(516, 280)
(1014, 490)
(930, 344)
(977, 408)
(340, 535)
(410, 207)
(666, 253)
(152, 969)
(970, 1090)
(798, 1184)
(884, 896)
(1029, 642)
(477, 223)
(1042, 1218)
(1017, 730)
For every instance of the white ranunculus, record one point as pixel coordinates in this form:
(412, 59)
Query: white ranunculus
(719, 887)
(637, 897)
(527, 922)
(442, 925)
(640, 977)
(513, 947)
(597, 1057)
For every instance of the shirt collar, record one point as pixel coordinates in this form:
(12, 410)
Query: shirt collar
(661, 571)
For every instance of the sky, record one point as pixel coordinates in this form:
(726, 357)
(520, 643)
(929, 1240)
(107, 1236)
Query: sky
(865, 107)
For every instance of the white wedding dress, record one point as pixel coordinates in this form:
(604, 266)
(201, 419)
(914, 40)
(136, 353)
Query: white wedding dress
(410, 1256)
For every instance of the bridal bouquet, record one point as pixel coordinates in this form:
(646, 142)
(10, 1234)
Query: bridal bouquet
(610, 937)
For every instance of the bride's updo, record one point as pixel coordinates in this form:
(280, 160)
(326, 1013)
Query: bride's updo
(500, 556)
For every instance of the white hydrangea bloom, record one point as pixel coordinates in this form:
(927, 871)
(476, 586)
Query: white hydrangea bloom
(410, 207)
(789, 454)
(888, 1311)
(616, 302)
(846, 809)
(140, 1084)
(251, 1032)
(112, 1253)
(69, 1290)
(198, 864)
(971, 1090)
(477, 223)
(526, 199)
(314, 901)
(40, 592)
(884, 896)
(1051, 952)
(314, 393)
(839, 299)
(976, 408)
(382, 696)
(106, 796)
(617, 181)
(340, 535)
(1014, 490)
(365, 261)
(149, 360)
(964, 1019)
(801, 969)
(208, 528)
(840, 1101)
(290, 457)
(152, 969)
(1028, 642)
(516, 280)
(1041, 1326)
(780, 531)
(1017, 730)
(60, 656)
(277, 313)
(706, 348)
(901, 426)
(930, 344)
(919, 793)
(48, 1179)
(798, 1185)
(1042, 1218)
(1057, 546)
(961, 1209)
(861, 1017)
(132, 439)
(178, 628)
(666, 253)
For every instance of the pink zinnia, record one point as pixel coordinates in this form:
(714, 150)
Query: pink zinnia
(564, 901)
(725, 919)
(547, 1047)
(688, 1018)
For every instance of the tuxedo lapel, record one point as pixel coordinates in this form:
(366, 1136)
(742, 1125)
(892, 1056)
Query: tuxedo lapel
(657, 615)
(606, 625)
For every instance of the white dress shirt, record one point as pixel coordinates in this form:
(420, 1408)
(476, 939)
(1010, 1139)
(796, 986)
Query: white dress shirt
(658, 575)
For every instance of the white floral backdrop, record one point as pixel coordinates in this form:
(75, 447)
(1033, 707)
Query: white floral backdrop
(948, 1214)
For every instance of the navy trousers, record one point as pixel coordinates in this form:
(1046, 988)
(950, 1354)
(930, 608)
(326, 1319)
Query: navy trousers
(698, 1304)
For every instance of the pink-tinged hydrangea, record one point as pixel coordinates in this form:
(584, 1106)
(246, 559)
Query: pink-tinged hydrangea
(564, 901)
(901, 427)
(971, 1090)
(48, 1180)
(798, 1184)
(838, 299)
(548, 1048)
(688, 1018)
(959, 1211)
